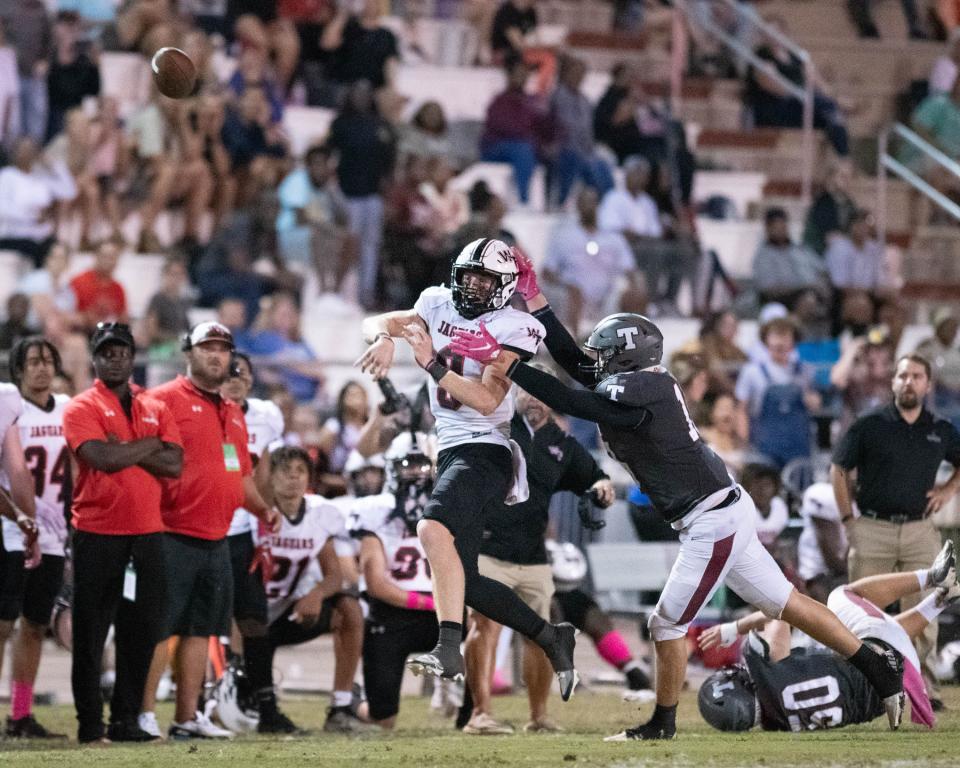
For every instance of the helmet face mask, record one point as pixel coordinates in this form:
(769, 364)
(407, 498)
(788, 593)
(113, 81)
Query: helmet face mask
(412, 476)
(728, 701)
(483, 277)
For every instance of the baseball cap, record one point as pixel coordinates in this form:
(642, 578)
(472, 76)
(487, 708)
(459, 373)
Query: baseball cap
(118, 333)
(210, 331)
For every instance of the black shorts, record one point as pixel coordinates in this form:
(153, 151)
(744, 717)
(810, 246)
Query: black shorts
(573, 606)
(29, 593)
(249, 596)
(470, 480)
(286, 632)
(390, 635)
(199, 586)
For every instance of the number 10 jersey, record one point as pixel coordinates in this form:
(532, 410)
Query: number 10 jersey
(516, 332)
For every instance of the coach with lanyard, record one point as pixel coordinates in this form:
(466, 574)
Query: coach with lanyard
(888, 461)
(197, 510)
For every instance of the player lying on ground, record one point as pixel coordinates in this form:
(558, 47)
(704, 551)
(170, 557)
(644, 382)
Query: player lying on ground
(644, 421)
(473, 405)
(401, 620)
(304, 597)
(786, 689)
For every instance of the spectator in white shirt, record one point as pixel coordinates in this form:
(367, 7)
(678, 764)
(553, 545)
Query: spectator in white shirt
(856, 261)
(633, 213)
(587, 270)
(28, 190)
(945, 68)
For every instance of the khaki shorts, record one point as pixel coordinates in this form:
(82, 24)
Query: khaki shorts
(532, 583)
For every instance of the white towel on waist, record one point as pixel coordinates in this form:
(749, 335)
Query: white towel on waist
(520, 491)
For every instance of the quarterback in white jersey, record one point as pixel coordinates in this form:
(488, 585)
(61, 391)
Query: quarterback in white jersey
(304, 594)
(476, 466)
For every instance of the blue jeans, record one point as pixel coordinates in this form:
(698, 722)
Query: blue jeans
(33, 107)
(519, 154)
(366, 222)
(571, 166)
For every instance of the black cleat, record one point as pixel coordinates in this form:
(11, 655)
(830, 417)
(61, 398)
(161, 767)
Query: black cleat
(274, 721)
(129, 732)
(28, 728)
(560, 653)
(942, 572)
(440, 662)
(645, 732)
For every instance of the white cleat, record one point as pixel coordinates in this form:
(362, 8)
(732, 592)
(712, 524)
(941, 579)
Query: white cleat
(894, 706)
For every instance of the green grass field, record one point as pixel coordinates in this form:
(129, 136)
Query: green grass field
(423, 739)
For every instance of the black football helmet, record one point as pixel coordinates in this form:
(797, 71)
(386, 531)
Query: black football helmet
(409, 479)
(728, 700)
(493, 259)
(623, 343)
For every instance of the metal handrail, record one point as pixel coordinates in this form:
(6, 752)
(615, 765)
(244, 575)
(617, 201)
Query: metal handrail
(804, 94)
(887, 162)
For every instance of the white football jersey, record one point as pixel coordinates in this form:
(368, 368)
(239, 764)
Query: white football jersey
(11, 406)
(48, 459)
(264, 428)
(818, 502)
(295, 549)
(346, 546)
(407, 564)
(516, 331)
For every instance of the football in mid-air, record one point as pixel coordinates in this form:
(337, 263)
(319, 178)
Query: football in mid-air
(174, 73)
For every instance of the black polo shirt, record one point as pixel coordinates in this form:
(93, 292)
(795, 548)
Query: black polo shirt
(896, 462)
(555, 462)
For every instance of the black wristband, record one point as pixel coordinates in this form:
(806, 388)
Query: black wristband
(436, 368)
(513, 367)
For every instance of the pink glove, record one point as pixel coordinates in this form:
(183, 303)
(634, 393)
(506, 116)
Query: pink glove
(483, 348)
(527, 277)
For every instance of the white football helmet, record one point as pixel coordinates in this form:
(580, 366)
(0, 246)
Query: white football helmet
(363, 485)
(493, 259)
(568, 563)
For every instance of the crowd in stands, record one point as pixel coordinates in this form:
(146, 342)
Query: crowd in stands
(371, 214)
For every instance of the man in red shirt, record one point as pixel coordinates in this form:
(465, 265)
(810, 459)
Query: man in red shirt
(99, 296)
(122, 442)
(197, 510)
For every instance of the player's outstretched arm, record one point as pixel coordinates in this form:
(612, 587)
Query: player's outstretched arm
(562, 346)
(379, 331)
(484, 396)
(582, 403)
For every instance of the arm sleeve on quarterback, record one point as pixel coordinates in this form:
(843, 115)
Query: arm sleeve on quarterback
(584, 404)
(563, 348)
(522, 337)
